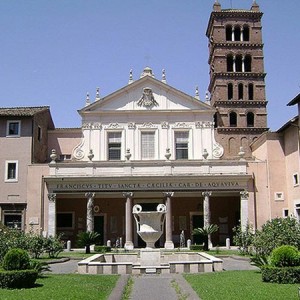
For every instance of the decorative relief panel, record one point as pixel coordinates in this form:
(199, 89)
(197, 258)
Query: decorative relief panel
(218, 150)
(181, 125)
(148, 125)
(147, 99)
(131, 125)
(201, 124)
(78, 152)
(95, 125)
(113, 126)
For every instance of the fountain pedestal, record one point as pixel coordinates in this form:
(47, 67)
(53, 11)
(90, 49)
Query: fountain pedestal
(150, 257)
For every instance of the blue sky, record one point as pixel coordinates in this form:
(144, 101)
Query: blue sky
(54, 52)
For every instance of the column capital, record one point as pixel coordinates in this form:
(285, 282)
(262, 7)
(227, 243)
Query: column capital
(206, 194)
(244, 194)
(127, 194)
(168, 194)
(52, 197)
(90, 194)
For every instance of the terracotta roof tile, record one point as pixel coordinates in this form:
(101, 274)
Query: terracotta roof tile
(22, 111)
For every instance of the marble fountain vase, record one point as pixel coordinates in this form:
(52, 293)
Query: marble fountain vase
(149, 223)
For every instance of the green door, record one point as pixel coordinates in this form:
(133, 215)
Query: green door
(99, 227)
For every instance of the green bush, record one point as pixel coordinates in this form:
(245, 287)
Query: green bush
(86, 239)
(35, 245)
(53, 246)
(243, 238)
(39, 267)
(285, 256)
(16, 259)
(197, 247)
(280, 275)
(18, 279)
(275, 233)
(102, 249)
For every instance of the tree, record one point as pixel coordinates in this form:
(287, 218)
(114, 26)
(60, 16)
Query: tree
(206, 231)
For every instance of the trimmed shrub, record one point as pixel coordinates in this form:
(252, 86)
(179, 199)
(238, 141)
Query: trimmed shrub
(285, 256)
(102, 249)
(280, 275)
(16, 259)
(197, 247)
(18, 279)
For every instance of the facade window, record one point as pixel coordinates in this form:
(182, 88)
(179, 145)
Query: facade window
(228, 33)
(237, 33)
(13, 128)
(148, 145)
(241, 91)
(250, 91)
(296, 179)
(11, 171)
(250, 119)
(230, 91)
(13, 220)
(279, 196)
(285, 213)
(65, 157)
(182, 144)
(229, 63)
(232, 119)
(114, 145)
(239, 63)
(65, 220)
(246, 33)
(39, 134)
(247, 63)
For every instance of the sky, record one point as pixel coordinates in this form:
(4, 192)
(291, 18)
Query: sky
(52, 52)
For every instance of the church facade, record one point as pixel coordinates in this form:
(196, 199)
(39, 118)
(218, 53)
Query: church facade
(148, 143)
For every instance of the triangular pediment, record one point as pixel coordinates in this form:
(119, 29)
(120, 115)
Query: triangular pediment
(147, 94)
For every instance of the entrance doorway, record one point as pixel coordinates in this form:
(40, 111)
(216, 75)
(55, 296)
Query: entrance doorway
(99, 227)
(196, 222)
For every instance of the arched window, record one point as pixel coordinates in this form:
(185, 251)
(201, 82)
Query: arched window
(241, 91)
(228, 33)
(239, 63)
(230, 91)
(247, 63)
(237, 33)
(250, 119)
(215, 120)
(246, 33)
(232, 119)
(230, 63)
(250, 91)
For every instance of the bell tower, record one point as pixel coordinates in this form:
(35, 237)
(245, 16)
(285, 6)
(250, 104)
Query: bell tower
(237, 78)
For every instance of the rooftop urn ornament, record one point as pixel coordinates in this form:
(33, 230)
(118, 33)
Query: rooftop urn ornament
(205, 153)
(91, 155)
(128, 154)
(241, 154)
(149, 224)
(53, 156)
(130, 77)
(87, 99)
(97, 94)
(207, 97)
(164, 80)
(197, 93)
(168, 153)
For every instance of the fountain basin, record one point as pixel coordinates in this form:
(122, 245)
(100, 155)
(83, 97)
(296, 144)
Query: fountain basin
(170, 262)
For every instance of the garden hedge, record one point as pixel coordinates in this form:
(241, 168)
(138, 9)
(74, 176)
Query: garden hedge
(280, 274)
(17, 279)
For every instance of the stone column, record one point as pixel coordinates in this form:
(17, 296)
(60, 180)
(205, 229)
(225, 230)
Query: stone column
(243, 64)
(232, 33)
(90, 211)
(206, 213)
(128, 221)
(244, 208)
(169, 243)
(234, 64)
(52, 214)
(242, 33)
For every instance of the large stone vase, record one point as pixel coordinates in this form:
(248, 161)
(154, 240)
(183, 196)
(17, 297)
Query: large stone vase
(149, 223)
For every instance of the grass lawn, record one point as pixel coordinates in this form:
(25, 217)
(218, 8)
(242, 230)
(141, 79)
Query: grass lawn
(65, 287)
(239, 285)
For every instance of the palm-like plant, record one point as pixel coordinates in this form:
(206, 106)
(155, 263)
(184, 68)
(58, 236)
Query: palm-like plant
(205, 231)
(86, 239)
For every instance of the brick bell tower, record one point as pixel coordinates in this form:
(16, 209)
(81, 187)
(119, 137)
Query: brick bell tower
(237, 78)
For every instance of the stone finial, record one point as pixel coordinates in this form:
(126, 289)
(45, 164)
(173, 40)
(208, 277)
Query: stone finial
(130, 77)
(205, 153)
(255, 6)
(128, 154)
(241, 153)
(53, 156)
(207, 97)
(97, 94)
(168, 153)
(87, 99)
(147, 72)
(197, 93)
(217, 6)
(164, 80)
